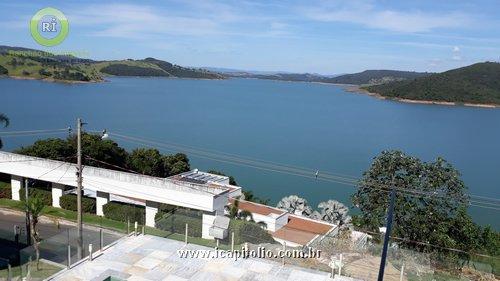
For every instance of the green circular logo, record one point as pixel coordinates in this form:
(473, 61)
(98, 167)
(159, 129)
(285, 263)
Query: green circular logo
(49, 27)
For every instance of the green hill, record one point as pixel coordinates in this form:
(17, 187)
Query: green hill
(478, 83)
(30, 63)
(375, 77)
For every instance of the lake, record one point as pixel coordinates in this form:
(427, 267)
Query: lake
(316, 126)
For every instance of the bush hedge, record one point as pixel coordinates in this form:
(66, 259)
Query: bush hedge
(45, 195)
(68, 202)
(247, 231)
(5, 191)
(122, 212)
(176, 220)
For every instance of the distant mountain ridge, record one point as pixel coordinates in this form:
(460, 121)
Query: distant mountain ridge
(299, 77)
(477, 84)
(366, 77)
(375, 77)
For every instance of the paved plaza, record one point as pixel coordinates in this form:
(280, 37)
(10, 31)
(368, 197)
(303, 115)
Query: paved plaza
(154, 258)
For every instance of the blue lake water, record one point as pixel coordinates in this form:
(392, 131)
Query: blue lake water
(321, 127)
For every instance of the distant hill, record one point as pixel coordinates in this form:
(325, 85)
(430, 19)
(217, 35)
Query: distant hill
(149, 67)
(375, 77)
(298, 77)
(370, 77)
(477, 83)
(31, 63)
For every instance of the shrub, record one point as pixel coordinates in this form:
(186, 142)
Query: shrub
(43, 194)
(245, 231)
(123, 212)
(3, 70)
(175, 221)
(5, 192)
(68, 202)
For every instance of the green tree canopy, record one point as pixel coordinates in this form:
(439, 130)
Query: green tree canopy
(429, 195)
(5, 120)
(108, 154)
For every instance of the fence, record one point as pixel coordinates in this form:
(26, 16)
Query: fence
(352, 254)
(54, 253)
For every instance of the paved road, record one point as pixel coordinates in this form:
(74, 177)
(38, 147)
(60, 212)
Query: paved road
(56, 238)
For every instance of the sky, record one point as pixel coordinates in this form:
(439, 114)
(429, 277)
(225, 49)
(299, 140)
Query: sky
(315, 36)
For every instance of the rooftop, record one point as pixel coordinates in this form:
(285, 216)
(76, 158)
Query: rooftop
(199, 177)
(302, 230)
(257, 208)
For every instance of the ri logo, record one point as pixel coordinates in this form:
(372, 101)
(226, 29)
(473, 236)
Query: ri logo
(49, 27)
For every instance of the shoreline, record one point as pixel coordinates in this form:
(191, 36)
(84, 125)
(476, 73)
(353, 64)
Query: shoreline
(100, 81)
(357, 89)
(50, 80)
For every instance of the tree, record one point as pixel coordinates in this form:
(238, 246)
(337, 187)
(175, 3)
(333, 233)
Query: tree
(34, 206)
(5, 120)
(176, 164)
(249, 196)
(232, 181)
(55, 149)
(465, 233)
(333, 211)
(107, 151)
(417, 216)
(108, 154)
(147, 162)
(295, 205)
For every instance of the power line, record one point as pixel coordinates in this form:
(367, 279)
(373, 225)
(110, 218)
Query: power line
(307, 174)
(33, 131)
(99, 183)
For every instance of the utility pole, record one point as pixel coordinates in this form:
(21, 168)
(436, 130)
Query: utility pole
(28, 223)
(79, 187)
(387, 236)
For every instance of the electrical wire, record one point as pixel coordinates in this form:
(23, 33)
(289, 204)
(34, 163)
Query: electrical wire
(306, 174)
(33, 131)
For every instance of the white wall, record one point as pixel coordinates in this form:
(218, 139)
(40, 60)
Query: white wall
(57, 192)
(15, 184)
(207, 222)
(273, 223)
(120, 183)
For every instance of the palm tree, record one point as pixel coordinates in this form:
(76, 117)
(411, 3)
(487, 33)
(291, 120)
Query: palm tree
(34, 206)
(5, 120)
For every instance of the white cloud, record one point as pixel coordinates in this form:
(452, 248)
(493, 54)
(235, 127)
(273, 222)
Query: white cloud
(135, 21)
(456, 53)
(366, 14)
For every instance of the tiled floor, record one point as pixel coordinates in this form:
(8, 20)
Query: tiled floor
(154, 258)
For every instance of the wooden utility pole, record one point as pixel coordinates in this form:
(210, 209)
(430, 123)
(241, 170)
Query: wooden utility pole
(79, 188)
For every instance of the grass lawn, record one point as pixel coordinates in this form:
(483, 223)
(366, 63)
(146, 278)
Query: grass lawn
(53, 212)
(119, 226)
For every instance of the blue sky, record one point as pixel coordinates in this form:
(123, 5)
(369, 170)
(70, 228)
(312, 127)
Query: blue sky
(328, 37)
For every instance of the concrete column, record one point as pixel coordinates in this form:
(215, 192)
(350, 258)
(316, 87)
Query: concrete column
(101, 199)
(151, 211)
(207, 222)
(16, 183)
(57, 192)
